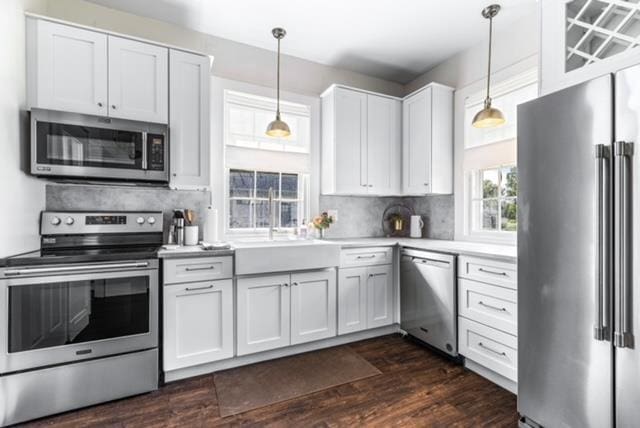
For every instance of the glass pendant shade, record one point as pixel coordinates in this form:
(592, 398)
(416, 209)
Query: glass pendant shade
(488, 117)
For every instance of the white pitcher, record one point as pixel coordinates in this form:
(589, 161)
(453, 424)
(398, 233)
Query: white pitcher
(416, 226)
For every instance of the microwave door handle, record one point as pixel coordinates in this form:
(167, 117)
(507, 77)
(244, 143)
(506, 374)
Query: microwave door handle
(144, 150)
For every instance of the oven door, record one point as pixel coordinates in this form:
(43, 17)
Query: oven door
(73, 145)
(58, 314)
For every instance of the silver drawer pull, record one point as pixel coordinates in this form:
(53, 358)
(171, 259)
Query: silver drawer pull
(199, 288)
(482, 345)
(495, 308)
(492, 272)
(366, 257)
(200, 268)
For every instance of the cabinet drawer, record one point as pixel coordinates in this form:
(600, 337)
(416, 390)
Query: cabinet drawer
(489, 347)
(197, 269)
(493, 306)
(354, 257)
(487, 270)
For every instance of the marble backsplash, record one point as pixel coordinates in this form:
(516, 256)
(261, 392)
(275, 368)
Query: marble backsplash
(80, 197)
(362, 216)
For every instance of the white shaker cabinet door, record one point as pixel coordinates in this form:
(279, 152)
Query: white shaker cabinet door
(313, 306)
(379, 296)
(383, 145)
(416, 144)
(350, 142)
(138, 81)
(263, 313)
(198, 323)
(189, 121)
(67, 68)
(352, 300)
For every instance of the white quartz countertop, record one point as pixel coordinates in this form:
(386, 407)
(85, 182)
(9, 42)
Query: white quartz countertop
(505, 252)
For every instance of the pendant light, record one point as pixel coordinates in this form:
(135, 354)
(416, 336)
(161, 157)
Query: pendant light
(489, 117)
(278, 128)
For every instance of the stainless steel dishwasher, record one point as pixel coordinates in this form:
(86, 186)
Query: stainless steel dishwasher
(428, 302)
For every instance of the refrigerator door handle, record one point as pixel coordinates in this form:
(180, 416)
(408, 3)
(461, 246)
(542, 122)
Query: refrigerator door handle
(601, 329)
(623, 336)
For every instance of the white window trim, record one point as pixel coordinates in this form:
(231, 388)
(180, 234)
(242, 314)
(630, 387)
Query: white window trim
(527, 74)
(500, 236)
(220, 179)
(303, 189)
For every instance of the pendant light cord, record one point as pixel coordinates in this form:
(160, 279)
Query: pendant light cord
(489, 62)
(278, 84)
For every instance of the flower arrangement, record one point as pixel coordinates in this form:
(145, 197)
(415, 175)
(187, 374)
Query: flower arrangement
(321, 223)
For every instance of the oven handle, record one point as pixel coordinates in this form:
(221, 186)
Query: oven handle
(62, 269)
(144, 150)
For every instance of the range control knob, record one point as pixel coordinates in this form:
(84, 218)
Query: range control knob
(69, 221)
(151, 220)
(56, 221)
(140, 220)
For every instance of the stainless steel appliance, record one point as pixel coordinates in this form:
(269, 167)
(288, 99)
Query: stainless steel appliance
(428, 298)
(79, 318)
(76, 145)
(578, 253)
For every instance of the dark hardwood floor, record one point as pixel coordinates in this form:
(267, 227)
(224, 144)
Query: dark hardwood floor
(416, 388)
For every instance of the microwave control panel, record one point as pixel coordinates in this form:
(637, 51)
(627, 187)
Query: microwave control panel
(155, 152)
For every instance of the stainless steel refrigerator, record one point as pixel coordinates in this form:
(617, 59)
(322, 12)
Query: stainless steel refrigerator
(578, 253)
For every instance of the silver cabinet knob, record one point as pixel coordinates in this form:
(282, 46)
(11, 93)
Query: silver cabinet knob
(56, 221)
(151, 220)
(69, 221)
(140, 220)
(99, 104)
(113, 106)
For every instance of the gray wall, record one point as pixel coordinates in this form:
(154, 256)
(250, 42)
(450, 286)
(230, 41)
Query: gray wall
(362, 216)
(77, 197)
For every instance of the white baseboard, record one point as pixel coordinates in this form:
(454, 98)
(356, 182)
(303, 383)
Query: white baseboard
(494, 377)
(244, 360)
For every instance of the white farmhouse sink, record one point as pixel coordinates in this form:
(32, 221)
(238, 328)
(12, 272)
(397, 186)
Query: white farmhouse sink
(264, 256)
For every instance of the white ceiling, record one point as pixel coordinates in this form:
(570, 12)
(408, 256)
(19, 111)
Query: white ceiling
(395, 40)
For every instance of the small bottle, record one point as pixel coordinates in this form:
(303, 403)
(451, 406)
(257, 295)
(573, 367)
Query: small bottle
(302, 230)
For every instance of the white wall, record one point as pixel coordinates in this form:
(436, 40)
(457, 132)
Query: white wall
(21, 196)
(515, 50)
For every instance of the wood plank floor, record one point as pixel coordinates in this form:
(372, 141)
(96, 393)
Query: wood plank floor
(416, 388)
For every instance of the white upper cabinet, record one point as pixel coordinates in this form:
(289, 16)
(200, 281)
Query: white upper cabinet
(138, 80)
(189, 120)
(427, 141)
(383, 145)
(360, 143)
(67, 68)
(581, 40)
(77, 70)
(379, 145)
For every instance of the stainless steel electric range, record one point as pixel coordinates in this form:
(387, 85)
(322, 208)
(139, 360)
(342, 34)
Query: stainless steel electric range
(79, 317)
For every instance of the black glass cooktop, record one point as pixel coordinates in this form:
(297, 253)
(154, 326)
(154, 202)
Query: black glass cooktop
(80, 255)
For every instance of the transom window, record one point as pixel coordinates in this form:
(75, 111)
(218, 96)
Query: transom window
(249, 199)
(493, 202)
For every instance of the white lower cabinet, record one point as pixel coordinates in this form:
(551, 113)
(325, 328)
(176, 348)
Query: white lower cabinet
(352, 300)
(365, 298)
(263, 313)
(279, 310)
(379, 296)
(313, 306)
(198, 323)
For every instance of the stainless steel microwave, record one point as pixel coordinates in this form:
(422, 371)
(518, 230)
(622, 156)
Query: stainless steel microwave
(83, 146)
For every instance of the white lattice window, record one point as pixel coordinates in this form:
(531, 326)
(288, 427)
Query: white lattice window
(599, 29)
